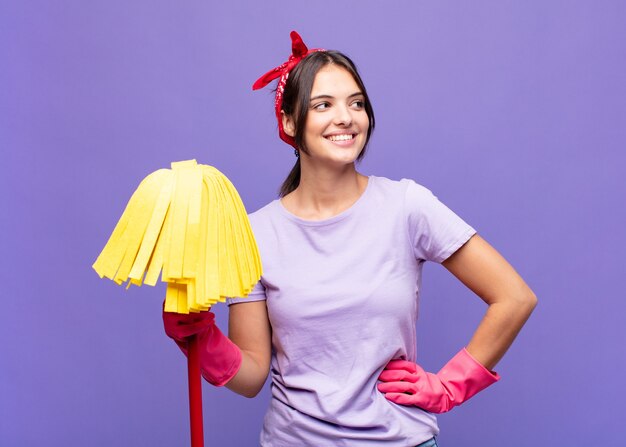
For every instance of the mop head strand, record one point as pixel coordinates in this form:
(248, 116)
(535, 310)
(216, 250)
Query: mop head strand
(189, 224)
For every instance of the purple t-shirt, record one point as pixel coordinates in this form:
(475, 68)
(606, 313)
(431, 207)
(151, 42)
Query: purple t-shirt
(342, 297)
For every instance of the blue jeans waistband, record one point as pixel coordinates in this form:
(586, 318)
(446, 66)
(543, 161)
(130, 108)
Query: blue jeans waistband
(430, 443)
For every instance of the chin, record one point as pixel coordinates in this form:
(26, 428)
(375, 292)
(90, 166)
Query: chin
(346, 159)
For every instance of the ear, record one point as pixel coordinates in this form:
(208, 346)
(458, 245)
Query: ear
(288, 124)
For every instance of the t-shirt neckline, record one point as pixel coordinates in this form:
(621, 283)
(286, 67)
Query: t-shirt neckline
(342, 215)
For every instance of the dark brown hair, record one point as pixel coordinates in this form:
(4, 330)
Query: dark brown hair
(297, 96)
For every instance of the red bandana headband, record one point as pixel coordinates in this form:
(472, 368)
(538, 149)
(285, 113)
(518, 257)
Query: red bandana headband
(299, 51)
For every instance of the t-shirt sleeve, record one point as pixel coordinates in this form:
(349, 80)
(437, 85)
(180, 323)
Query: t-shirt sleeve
(435, 231)
(257, 294)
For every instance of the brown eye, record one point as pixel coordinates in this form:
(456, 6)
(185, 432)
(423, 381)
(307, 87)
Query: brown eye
(321, 106)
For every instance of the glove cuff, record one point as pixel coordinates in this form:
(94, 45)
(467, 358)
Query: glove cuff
(464, 376)
(220, 358)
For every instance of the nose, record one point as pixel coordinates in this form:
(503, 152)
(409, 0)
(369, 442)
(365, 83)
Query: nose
(343, 117)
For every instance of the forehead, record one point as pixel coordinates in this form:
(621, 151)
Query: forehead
(334, 81)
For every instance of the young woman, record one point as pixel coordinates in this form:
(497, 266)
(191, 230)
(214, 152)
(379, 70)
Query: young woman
(333, 317)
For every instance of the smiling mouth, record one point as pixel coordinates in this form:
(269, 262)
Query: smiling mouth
(343, 137)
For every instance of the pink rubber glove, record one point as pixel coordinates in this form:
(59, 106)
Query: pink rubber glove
(406, 383)
(220, 358)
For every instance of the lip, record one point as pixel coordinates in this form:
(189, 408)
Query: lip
(341, 132)
(342, 143)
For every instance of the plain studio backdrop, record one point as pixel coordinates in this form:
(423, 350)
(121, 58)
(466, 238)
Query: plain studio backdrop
(513, 113)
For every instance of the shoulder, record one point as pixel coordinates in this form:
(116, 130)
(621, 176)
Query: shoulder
(265, 221)
(416, 200)
(405, 188)
(263, 213)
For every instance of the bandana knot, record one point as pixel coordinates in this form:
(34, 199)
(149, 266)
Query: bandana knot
(298, 52)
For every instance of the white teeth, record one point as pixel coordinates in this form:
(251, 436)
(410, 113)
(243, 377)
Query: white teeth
(340, 137)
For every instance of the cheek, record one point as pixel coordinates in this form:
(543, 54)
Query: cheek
(309, 136)
(364, 121)
(315, 127)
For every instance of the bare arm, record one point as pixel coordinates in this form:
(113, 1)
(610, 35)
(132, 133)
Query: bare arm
(484, 271)
(249, 328)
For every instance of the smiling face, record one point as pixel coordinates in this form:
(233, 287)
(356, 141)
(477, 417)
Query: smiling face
(337, 122)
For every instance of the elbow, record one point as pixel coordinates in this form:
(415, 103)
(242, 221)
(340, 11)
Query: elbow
(533, 302)
(521, 304)
(528, 303)
(249, 390)
(252, 393)
(247, 383)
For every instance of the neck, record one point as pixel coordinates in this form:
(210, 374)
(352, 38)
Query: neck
(323, 193)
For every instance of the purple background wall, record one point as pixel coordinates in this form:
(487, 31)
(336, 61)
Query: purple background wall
(513, 113)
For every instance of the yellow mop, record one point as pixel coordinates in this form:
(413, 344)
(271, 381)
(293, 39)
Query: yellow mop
(189, 224)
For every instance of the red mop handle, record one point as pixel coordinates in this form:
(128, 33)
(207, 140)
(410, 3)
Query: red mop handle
(195, 393)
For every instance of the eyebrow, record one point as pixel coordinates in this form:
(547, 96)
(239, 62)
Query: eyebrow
(332, 97)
